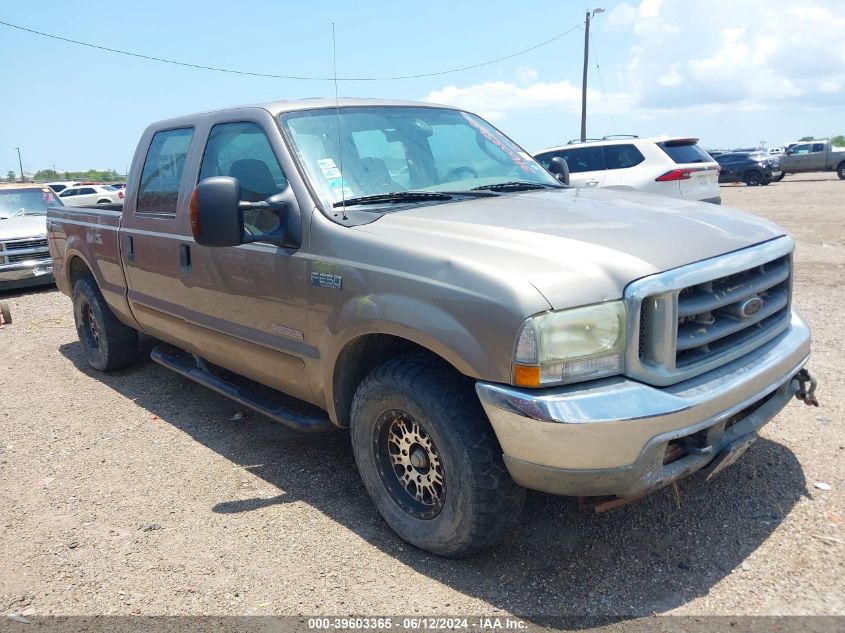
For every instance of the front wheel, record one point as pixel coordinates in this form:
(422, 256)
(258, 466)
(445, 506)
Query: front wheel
(840, 171)
(107, 343)
(781, 177)
(429, 458)
(753, 178)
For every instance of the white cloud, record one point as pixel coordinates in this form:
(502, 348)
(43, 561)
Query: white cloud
(494, 99)
(697, 57)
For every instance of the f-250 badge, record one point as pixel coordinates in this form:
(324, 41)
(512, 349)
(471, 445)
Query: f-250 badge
(326, 280)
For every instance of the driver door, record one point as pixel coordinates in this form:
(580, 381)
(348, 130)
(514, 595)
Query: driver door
(248, 302)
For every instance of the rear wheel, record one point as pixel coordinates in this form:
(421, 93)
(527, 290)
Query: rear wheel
(107, 343)
(429, 458)
(753, 178)
(840, 171)
(779, 178)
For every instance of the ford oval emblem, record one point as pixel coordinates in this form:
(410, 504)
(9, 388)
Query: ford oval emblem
(750, 307)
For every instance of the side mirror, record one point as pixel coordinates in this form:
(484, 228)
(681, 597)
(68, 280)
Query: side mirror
(560, 169)
(217, 214)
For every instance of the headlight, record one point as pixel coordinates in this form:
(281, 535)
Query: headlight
(570, 345)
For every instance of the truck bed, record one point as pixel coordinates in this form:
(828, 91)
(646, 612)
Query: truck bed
(86, 238)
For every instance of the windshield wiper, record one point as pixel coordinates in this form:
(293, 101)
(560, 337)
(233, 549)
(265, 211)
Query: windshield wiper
(395, 196)
(514, 185)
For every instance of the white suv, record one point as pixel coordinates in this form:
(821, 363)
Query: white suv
(669, 166)
(91, 194)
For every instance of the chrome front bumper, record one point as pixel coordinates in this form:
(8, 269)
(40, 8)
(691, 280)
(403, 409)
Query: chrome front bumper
(610, 437)
(24, 273)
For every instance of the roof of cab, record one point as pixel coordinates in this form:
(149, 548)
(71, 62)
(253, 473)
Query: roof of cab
(313, 103)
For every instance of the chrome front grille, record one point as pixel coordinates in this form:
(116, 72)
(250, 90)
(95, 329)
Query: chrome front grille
(719, 314)
(14, 245)
(16, 251)
(698, 317)
(23, 257)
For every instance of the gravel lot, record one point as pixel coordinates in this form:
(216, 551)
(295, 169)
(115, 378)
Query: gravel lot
(137, 492)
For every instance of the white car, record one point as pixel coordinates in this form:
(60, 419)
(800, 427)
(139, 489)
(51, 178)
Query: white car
(91, 194)
(670, 166)
(58, 187)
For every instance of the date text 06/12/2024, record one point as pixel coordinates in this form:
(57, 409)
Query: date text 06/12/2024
(416, 623)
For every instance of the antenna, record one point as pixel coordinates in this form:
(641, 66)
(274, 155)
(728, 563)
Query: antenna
(337, 114)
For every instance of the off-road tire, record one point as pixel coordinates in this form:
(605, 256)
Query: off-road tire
(480, 503)
(6, 312)
(108, 345)
(753, 178)
(840, 170)
(781, 177)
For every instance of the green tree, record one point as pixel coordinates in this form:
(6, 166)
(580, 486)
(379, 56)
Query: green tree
(806, 138)
(46, 174)
(838, 140)
(10, 176)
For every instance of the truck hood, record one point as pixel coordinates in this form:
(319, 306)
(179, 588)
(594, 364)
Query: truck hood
(22, 227)
(576, 246)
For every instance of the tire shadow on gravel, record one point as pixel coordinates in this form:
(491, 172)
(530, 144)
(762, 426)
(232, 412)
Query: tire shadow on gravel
(653, 555)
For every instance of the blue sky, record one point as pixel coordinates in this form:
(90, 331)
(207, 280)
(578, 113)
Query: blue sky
(733, 73)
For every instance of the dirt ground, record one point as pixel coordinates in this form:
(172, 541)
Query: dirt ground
(139, 492)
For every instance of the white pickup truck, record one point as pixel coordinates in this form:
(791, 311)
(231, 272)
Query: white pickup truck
(24, 256)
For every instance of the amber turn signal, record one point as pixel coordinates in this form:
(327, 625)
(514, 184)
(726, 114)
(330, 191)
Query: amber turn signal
(194, 214)
(526, 376)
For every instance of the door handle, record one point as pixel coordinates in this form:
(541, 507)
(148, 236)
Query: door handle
(130, 248)
(185, 257)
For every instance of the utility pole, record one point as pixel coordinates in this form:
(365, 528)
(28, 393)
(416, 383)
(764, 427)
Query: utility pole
(586, 63)
(20, 163)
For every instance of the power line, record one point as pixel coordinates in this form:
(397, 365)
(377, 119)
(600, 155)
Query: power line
(294, 77)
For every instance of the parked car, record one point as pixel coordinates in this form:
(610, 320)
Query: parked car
(752, 169)
(92, 194)
(58, 187)
(24, 256)
(420, 279)
(674, 167)
(817, 155)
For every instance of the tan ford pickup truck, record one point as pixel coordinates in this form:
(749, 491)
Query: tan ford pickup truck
(408, 272)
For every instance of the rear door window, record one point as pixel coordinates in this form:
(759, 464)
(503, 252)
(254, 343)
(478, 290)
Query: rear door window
(622, 156)
(684, 152)
(582, 159)
(818, 147)
(162, 175)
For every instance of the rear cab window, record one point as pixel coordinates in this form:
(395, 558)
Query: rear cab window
(161, 178)
(685, 151)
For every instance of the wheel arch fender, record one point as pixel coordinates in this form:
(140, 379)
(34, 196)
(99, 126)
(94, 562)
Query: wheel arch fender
(370, 330)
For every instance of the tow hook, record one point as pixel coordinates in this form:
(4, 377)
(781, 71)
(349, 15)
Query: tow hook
(807, 396)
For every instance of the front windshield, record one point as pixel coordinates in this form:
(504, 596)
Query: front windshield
(389, 149)
(34, 201)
